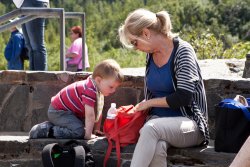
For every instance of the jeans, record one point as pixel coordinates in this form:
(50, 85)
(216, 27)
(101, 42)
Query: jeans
(67, 125)
(33, 32)
(158, 134)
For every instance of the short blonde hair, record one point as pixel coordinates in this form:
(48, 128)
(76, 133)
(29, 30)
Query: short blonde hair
(139, 19)
(108, 68)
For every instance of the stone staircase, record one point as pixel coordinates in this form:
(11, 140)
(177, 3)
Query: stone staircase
(18, 150)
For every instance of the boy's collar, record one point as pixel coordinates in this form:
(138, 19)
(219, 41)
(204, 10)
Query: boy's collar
(94, 83)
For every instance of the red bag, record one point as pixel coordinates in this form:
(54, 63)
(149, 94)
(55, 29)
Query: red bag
(123, 130)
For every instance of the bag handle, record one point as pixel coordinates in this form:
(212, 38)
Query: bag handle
(238, 104)
(46, 155)
(117, 145)
(115, 137)
(110, 145)
(117, 132)
(79, 156)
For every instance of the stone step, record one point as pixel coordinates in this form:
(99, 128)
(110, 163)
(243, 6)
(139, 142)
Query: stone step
(18, 150)
(21, 163)
(195, 156)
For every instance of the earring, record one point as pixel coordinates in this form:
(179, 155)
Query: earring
(148, 38)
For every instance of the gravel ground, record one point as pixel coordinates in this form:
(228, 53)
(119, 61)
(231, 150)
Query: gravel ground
(210, 68)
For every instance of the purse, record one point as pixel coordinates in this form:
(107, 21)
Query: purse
(232, 125)
(123, 130)
(73, 67)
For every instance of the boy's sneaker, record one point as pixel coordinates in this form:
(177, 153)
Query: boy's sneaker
(40, 130)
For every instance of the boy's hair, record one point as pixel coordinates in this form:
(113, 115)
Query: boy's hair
(107, 69)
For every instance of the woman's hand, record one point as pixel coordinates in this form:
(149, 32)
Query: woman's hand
(156, 102)
(142, 106)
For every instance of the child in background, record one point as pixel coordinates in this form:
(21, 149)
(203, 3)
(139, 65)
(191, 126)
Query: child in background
(75, 112)
(14, 48)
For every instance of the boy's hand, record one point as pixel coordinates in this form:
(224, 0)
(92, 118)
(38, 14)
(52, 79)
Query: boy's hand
(93, 136)
(98, 133)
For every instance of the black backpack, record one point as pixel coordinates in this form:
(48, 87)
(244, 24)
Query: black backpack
(70, 154)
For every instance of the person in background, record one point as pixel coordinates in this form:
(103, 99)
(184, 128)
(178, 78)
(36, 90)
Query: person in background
(174, 90)
(14, 49)
(75, 111)
(74, 53)
(33, 32)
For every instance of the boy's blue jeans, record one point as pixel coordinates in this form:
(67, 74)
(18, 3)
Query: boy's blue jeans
(67, 125)
(33, 32)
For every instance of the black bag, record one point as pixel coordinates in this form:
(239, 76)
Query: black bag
(71, 154)
(24, 54)
(232, 125)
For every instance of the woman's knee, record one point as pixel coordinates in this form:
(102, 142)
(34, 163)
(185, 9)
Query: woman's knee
(161, 148)
(148, 129)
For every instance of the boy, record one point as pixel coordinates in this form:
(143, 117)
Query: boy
(72, 111)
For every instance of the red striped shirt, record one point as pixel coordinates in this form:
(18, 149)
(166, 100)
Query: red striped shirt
(74, 97)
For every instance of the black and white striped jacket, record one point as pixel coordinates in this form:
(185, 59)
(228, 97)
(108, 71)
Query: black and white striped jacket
(187, 81)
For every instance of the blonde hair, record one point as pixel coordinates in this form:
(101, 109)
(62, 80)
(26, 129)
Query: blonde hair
(139, 19)
(108, 68)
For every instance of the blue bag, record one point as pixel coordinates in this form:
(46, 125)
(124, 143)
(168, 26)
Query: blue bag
(232, 125)
(232, 104)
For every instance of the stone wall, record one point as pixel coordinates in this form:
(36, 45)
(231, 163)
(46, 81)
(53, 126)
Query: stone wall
(25, 96)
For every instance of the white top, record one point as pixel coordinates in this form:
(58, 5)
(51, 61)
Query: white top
(19, 3)
(43, 0)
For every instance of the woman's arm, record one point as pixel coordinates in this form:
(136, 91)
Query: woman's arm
(71, 55)
(242, 159)
(156, 102)
(177, 99)
(74, 49)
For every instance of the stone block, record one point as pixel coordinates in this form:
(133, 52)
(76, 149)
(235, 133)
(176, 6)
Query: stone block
(246, 73)
(123, 96)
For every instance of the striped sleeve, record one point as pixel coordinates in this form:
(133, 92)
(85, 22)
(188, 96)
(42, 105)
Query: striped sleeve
(186, 68)
(89, 96)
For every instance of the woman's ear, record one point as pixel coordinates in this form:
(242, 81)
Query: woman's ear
(146, 33)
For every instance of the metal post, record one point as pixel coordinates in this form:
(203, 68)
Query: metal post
(83, 42)
(22, 20)
(246, 72)
(62, 41)
(10, 15)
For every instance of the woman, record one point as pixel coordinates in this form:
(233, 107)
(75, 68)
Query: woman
(174, 90)
(74, 54)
